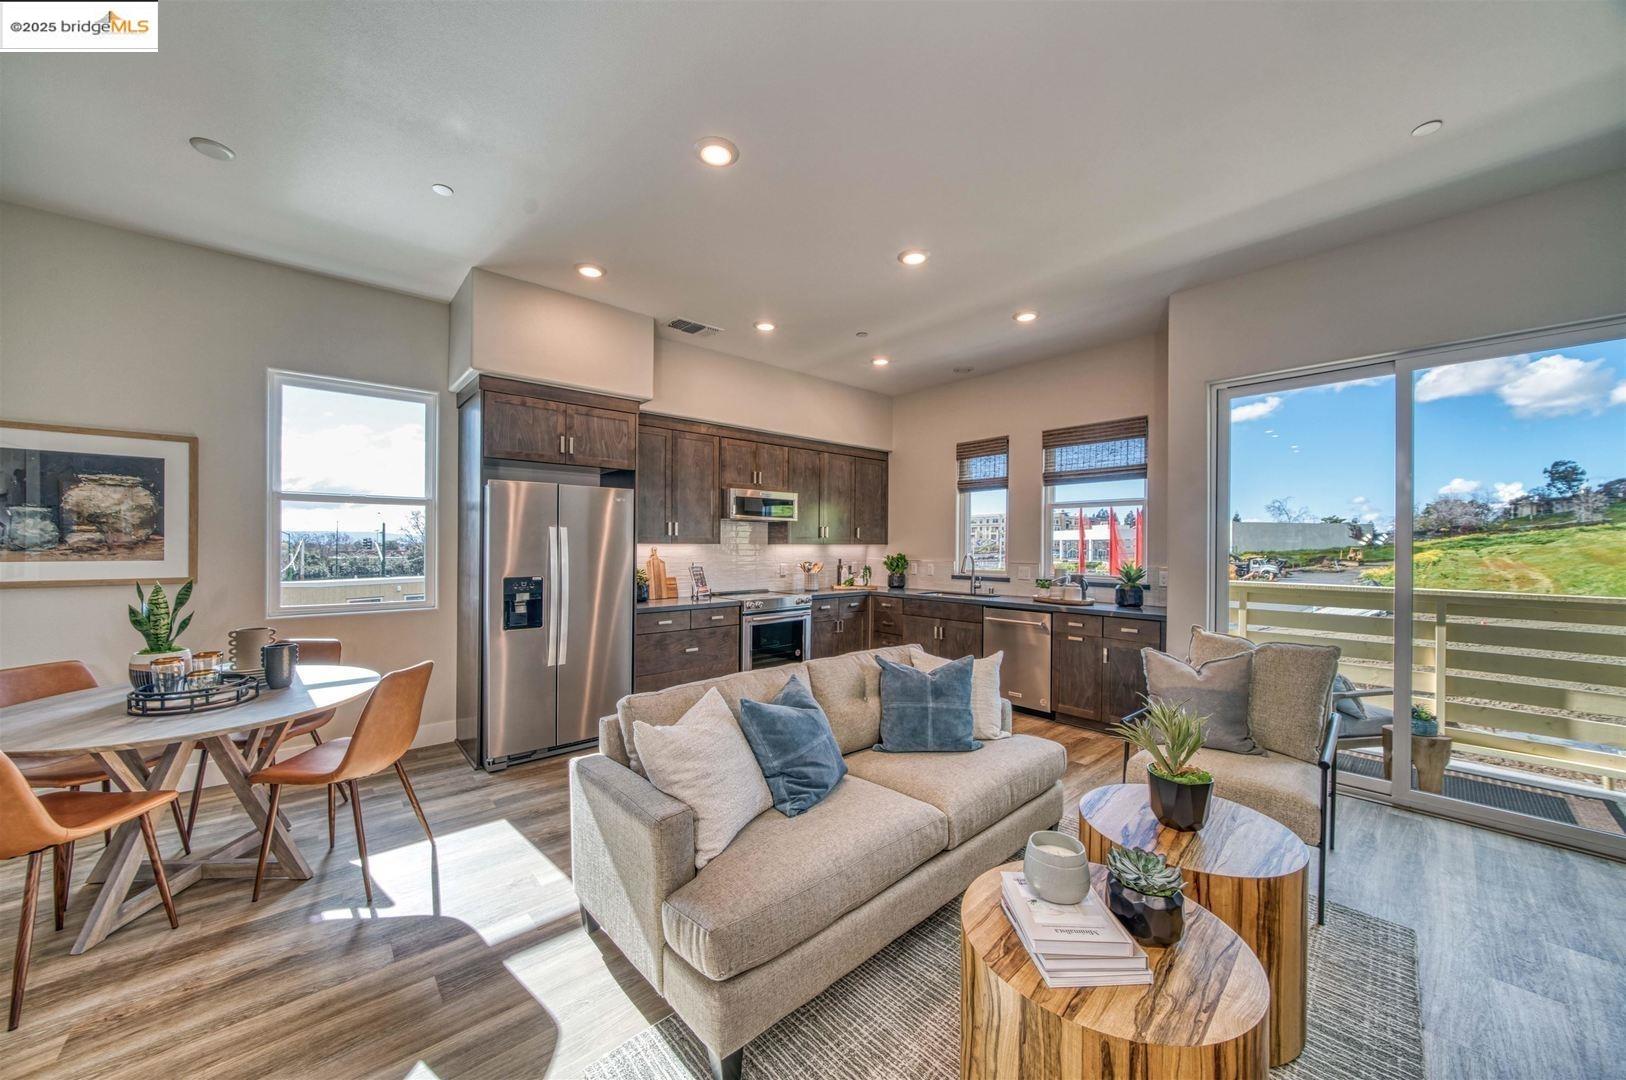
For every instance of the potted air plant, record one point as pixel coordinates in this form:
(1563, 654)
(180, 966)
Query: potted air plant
(155, 622)
(1171, 734)
(865, 575)
(1131, 576)
(1424, 722)
(897, 565)
(1143, 892)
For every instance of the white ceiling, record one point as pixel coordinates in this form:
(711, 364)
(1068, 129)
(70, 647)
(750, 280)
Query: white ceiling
(1085, 160)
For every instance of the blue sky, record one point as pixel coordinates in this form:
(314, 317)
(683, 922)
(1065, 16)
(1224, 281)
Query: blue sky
(1485, 428)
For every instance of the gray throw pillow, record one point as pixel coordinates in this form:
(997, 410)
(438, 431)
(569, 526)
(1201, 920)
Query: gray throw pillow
(926, 711)
(793, 743)
(1347, 706)
(1291, 697)
(1217, 690)
(1207, 645)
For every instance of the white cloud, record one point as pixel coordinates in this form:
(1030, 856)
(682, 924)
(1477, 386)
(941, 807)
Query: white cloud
(1554, 385)
(1557, 386)
(1461, 380)
(1460, 486)
(1255, 410)
(1506, 493)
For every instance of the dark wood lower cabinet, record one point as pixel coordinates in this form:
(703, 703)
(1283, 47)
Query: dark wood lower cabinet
(1096, 672)
(1075, 684)
(840, 625)
(1123, 680)
(675, 647)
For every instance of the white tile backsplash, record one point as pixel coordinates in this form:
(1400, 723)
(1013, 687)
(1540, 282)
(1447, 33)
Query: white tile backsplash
(745, 560)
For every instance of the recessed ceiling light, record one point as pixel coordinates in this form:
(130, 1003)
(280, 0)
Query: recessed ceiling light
(913, 256)
(881, 361)
(590, 270)
(441, 189)
(211, 149)
(964, 370)
(717, 152)
(765, 327)
(1427, 127)
(1025, 316)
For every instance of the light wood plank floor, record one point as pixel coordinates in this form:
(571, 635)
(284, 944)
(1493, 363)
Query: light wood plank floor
(474, 962)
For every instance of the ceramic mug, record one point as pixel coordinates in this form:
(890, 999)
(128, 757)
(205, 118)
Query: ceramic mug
(278, 660)
(246, 644)
(1056, 867)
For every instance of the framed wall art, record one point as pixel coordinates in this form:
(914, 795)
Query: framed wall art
(90, 506)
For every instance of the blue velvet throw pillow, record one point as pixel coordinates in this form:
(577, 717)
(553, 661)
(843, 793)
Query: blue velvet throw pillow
(792, 741)
(926, 711)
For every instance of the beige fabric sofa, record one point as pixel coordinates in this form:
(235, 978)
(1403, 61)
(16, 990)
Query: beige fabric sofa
(793, 904)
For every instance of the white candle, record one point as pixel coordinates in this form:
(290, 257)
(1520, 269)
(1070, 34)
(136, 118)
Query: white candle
(1056, 850)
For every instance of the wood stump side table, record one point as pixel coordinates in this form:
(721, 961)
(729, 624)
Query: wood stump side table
(1430, 754)
(1247, 869)
(1205, 1013)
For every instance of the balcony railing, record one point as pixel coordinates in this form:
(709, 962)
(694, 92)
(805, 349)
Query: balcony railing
(1527, 678)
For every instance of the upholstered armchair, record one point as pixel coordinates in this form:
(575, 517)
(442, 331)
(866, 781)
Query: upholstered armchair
(1292, 773)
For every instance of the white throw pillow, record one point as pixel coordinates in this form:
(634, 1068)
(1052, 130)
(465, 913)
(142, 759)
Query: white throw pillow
(703, 760)
(986, 707)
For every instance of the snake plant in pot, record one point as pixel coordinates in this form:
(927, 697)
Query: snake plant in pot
(1143, 892)
(1177, 790)
(1129, 593)
(155, 621)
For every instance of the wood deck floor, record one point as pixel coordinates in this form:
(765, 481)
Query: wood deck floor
(474, 962)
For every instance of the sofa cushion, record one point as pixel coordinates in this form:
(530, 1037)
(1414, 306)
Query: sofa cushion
(987, 704)
(926, 711)
(1216, 690)
(1207, 645)
(784, 879)
(973, 791)
(791, 739)
(1277, 786)
(848, 689)
(667, 706)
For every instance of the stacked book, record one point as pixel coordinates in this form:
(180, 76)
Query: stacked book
(1073, 944)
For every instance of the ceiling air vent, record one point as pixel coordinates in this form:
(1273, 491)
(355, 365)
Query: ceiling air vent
(694, 329)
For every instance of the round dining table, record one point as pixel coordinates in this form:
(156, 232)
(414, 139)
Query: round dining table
(241, 739)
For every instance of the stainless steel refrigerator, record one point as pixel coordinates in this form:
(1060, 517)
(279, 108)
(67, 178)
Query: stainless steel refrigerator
(549, 650)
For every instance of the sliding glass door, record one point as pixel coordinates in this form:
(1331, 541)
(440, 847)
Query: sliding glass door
(1496, 542)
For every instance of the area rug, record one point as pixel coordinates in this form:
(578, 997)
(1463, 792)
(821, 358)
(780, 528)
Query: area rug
(897, 1016)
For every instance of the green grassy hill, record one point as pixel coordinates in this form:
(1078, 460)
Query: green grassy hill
(1571, 560)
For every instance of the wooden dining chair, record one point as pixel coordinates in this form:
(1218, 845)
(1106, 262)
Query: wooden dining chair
(384, 733)
(34, 681)
(56, 821)
(311, 651)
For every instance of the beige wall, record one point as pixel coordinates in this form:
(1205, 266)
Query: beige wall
(1105, 383)
(700, 384)
(503, 326)
(107, 328)
(1553, 257)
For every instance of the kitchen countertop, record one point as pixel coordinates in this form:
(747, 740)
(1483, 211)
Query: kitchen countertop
(686, 604)
(1011, 602)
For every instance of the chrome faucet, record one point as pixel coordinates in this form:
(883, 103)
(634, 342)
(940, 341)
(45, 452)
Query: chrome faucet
(976, 586)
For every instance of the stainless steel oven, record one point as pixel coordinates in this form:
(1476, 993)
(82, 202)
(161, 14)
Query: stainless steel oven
(775, 630)
(750, 504)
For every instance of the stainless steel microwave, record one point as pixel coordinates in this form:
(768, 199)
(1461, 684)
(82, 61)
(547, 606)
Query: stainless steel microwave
(749, 504)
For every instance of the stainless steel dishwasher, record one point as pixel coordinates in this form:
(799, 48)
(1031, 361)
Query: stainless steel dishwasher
(1024, 637)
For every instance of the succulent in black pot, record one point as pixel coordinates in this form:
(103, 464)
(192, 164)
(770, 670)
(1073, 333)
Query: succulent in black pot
(897, 565)
(1171, 735)
(1131, 576)
(1143, 893)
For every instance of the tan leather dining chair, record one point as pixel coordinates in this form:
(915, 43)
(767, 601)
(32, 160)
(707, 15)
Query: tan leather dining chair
(34, 681)
(56, 820)
(311, 651)
(384, 733)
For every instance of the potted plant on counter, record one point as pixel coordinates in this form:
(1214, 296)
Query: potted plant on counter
(1171, 734)
(897, 565)
(1143, 892)
(641, 579)
(1131, 576)
(155, 622)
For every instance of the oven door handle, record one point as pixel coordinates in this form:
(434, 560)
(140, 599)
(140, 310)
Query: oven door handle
(793, 616)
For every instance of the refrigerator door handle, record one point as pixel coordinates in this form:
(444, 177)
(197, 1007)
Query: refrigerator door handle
(562, 592)
(552, 589)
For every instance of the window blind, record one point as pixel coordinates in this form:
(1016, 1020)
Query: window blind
(1111, 450)
(984, 464)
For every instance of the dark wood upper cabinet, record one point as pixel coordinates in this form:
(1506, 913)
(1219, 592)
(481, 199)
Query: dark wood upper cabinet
(772, 467)
(738, 464)
(601, 438)
(653, 515)
(836, 499)
(804, 474)
(695, 496)
(869, 501)
(526, 429)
